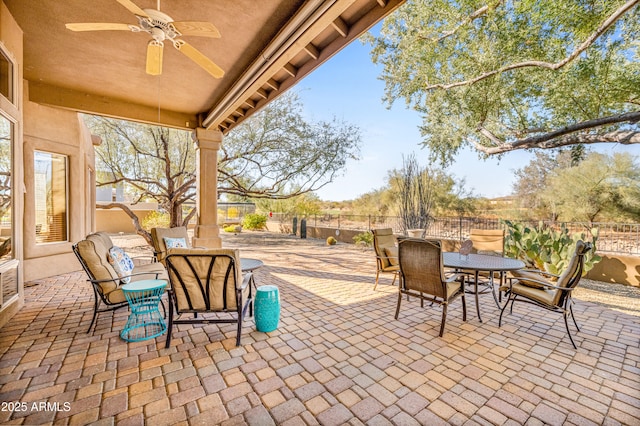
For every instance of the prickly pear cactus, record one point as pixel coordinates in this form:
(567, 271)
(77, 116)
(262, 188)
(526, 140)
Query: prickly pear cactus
(545, 248)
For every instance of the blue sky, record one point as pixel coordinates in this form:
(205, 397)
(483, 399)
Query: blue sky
(348, 87)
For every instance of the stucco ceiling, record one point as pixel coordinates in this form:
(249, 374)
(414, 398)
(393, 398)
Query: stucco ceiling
(265, 48)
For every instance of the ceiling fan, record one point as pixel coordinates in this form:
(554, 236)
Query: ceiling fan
(162, 28)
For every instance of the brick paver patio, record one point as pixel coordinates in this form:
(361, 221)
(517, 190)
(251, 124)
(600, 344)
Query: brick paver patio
(338, 357)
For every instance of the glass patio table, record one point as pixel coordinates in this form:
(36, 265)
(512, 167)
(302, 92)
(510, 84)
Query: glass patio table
(481, 262)
(248, 264)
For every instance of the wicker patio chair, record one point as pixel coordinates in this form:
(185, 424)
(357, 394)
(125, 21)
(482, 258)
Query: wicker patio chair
(422, 275)
(208, 281)
(549, 291)
(384, 244)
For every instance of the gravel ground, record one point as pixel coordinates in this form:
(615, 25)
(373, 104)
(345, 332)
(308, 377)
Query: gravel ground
(622, 298)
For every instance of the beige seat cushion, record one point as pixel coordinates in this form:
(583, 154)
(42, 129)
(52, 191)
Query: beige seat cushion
(94, 254)
(183, 274)
(546, 297)
(523, 275)
(116, 296)
(152, 268)
(392, 255)
(452, 287)
(159, 234)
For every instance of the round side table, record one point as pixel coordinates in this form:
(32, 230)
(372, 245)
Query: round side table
(145, 321)
(267, 305)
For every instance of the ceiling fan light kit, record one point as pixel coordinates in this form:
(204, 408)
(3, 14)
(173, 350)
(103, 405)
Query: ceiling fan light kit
(161, 27)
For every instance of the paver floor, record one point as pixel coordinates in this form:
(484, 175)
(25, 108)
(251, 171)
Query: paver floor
(338, 357)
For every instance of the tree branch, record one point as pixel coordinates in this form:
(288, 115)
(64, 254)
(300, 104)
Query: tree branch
(470, 18)
(542, 64)
(568, 135)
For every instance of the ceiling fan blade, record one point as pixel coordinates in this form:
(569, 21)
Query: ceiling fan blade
(133, 8)
(197, 57)
(98, 26)
(202, 29)
(154, 57)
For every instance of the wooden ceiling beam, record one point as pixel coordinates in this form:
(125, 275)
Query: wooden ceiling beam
(340, 26)
(290, 69)
(273, 84)
(312, 51)
(263, 93)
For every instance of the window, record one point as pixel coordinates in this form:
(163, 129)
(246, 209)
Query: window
(50, 175)
(6, 77)
(6, 218)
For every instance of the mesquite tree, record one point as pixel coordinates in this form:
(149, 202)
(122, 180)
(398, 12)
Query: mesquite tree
(504, 75)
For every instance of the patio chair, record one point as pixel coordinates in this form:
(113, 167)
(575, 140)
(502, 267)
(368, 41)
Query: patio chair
(208, 281)
(422, 275)
(106, 277)
(489, 242)
(549, 291)
(166, 238)
(384, 244)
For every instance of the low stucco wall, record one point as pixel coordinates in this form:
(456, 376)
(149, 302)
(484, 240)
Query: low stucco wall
(621, 269)
(613, 268)
(115, 220)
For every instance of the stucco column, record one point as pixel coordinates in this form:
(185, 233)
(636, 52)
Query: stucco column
(206, 233)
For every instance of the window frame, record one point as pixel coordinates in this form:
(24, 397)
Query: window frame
(67, 205)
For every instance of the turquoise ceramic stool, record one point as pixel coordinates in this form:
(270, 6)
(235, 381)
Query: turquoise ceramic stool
(145, 321)
(267, 305)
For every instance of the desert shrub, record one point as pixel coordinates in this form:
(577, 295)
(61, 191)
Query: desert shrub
(155, 219)
(232, 228)
(332, 241)
(364, 239)
(254, 221)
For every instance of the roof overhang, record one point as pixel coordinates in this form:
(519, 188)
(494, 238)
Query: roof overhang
(264, 51)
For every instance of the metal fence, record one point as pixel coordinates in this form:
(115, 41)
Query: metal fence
(623, 238)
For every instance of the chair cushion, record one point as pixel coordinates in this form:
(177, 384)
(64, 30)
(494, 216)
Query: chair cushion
(121, 262)
(175, 243)
(116, 296)
(94, 255)
(392, 255)
(539, 295)
(523, 275)
(158, 236)
(182, 276)
(452, 288)
(151, 268)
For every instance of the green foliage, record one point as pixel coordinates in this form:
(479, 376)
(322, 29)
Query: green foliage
(489, 76)
(332, 241)
(544, 248)
(364, 239)
(254, 221)
(232, 228)
(601, 187)
(155, 219)
(278, 152)
(307, 204)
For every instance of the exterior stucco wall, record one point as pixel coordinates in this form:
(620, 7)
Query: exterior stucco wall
(57, 131)
(116, 220)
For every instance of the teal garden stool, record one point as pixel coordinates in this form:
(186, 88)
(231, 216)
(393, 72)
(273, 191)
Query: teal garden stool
(145, 321)
(267, 306)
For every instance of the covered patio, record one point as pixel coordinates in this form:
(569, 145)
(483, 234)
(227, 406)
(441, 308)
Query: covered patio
(338, 356)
